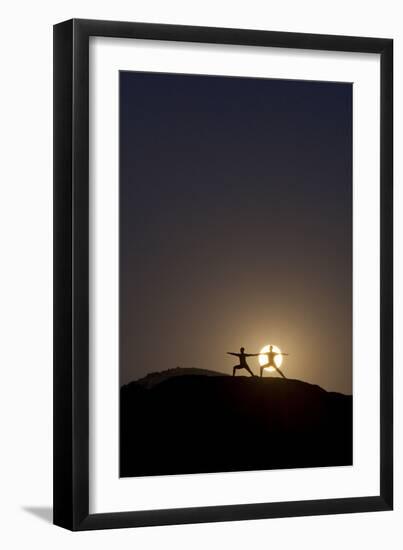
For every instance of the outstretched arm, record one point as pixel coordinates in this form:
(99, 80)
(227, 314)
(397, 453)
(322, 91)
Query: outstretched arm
(281, 353)
(232, 353)
(252, 354)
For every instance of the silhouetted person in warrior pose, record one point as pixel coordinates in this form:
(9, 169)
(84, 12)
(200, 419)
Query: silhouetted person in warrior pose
(242, 360)
(271, 355)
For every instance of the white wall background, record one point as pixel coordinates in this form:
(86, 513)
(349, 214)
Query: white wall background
(26, 272)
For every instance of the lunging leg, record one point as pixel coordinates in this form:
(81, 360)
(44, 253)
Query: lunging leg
(279, 371)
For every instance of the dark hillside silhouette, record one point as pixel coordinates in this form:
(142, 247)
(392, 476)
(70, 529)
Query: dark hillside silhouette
(154, 378)
(198, 423)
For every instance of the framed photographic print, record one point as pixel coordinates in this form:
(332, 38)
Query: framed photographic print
(223, 322)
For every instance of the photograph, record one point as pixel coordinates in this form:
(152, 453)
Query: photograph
(200, 266)
(223, 274)
(235, 274)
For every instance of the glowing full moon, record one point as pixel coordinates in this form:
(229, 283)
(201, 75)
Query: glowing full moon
(263, 359)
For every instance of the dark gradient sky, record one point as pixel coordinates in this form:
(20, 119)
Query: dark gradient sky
(235, 224)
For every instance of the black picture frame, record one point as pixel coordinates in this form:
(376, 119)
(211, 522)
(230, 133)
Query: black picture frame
(71, 274)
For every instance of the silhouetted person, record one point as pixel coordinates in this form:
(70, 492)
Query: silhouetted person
(242, 360)
(271, 356)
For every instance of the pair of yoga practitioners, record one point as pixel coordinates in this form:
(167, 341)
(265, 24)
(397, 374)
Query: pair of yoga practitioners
(271, 355)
